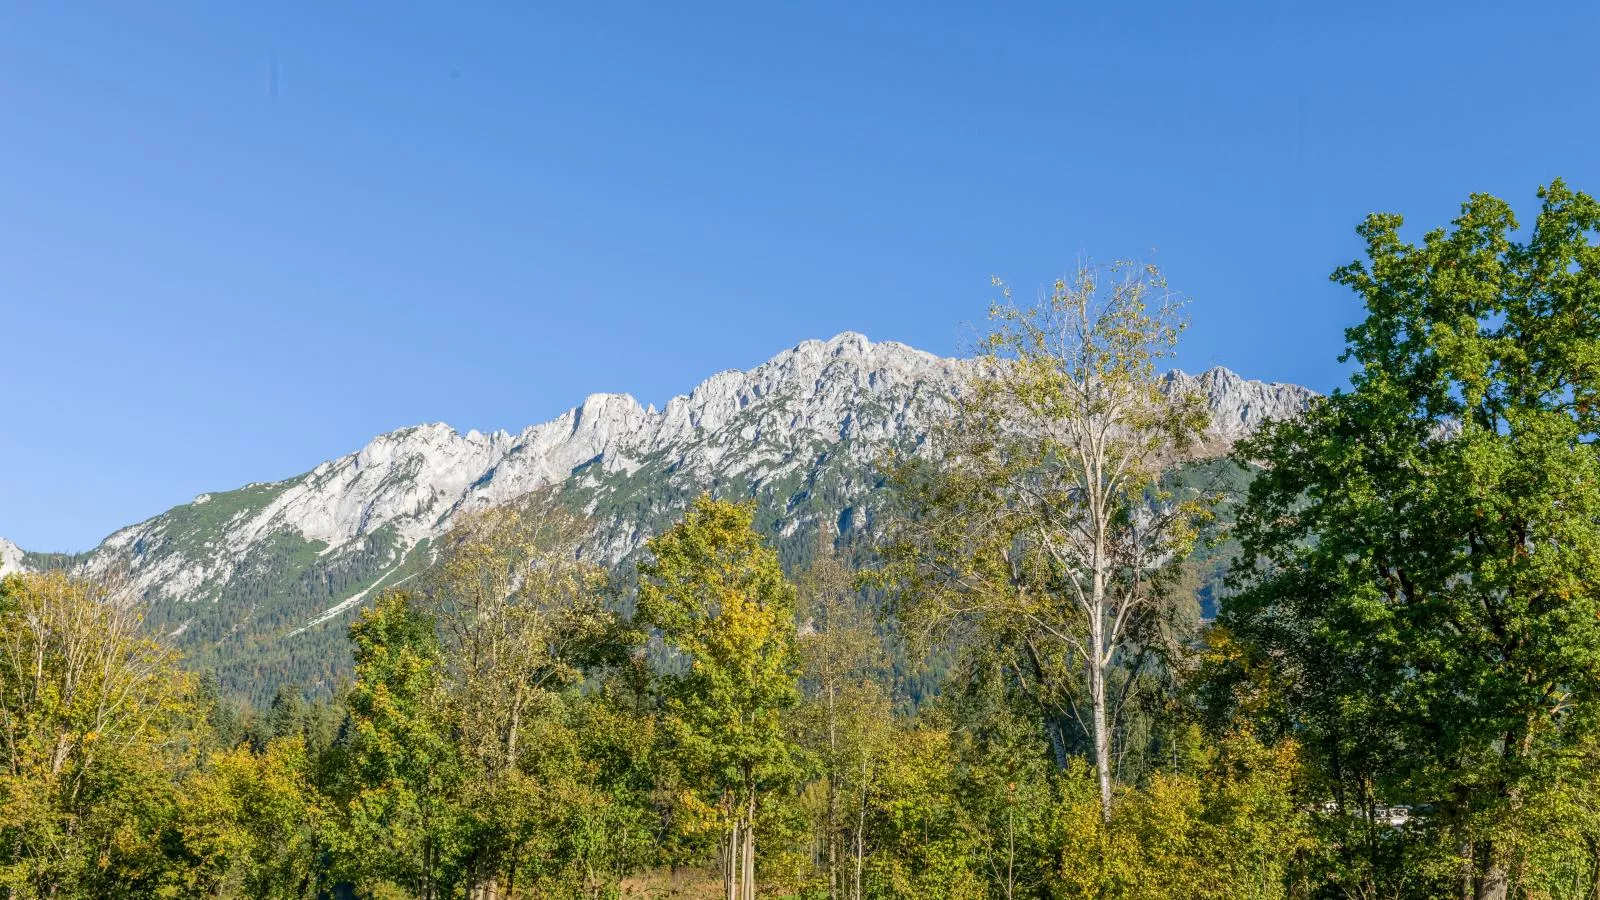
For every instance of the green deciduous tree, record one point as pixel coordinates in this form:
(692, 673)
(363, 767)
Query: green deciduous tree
(517, 610)
(1230, 830)
(1419, 602)
(847, 720)
(715, 591)
(97, 724)
(920, 839)
(251, 824)
(398, 769)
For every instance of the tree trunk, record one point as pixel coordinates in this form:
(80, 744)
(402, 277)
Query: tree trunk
(730, 864)
(861, 833)
(1495, 881)
(1011, 853)
(833, 828)
(1097, 665)
(1058, 741)
(488, 884)
(1102, 740)
(427, 866)
(485, 881)
(516, 724)
(750, 850)
(1493, 885)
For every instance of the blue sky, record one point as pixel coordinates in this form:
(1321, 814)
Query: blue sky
(238, 239)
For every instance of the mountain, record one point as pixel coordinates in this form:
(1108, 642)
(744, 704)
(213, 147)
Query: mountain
(258, 582)
(10, 557)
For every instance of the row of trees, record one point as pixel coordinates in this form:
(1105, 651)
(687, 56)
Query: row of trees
(1397, 698)
(506, 735)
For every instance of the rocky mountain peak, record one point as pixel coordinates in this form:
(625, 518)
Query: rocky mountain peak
(801, 433)
(1239, 406)
(10, 557)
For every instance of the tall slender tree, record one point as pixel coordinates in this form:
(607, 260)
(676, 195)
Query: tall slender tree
(847, 716)
(715, 591)
(1042, 520)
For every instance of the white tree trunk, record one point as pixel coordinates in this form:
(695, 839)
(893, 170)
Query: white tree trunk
(1097, 665)
(750, 851)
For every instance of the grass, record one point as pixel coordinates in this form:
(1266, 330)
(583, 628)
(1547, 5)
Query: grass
(687, 884)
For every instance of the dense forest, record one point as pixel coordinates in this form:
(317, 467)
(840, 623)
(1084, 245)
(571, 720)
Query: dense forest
(1031, 680)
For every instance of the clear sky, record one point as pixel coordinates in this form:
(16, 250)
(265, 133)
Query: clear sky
(237, 239)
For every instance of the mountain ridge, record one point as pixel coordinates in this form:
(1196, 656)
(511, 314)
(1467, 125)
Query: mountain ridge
(11, 553)
(247, 572)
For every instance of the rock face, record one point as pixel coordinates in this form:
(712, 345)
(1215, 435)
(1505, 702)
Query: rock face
(1238, 407)
(10, 557)
(232, 573)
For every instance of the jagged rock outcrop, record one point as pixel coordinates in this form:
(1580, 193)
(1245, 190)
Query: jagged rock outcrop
(801, 433)
(1239, 406)
(10, 557)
